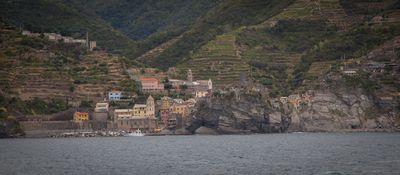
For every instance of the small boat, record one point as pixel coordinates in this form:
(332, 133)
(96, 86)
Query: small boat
(136, 133)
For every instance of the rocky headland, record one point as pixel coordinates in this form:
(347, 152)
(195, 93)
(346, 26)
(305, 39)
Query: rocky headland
(248, 110)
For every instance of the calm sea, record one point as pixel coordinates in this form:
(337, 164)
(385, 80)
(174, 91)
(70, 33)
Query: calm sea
(300, 153)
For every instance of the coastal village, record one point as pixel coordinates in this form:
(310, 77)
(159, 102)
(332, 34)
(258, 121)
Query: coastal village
(152, 116)
(168, 103)
(164, 104)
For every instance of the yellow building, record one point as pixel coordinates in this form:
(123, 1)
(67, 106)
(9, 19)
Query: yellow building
(201, 94)
(179, 109)
(81, 116)
(139, 110)
(165, 103)
(145, 110)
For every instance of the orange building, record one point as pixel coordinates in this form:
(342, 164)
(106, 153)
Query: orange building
(81, 116)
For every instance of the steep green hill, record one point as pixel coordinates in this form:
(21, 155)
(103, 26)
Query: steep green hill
(54, 16)
(280, 50)
(139, 19)
(225, 17)
(34, 69)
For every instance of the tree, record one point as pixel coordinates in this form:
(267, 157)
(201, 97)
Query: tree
(86, 104)
(183, 87)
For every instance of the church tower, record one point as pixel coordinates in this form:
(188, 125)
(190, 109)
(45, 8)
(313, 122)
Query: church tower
(150, 107)
(189, 75)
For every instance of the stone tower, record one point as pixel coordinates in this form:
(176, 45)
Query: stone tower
(150, 107)
(189, 75)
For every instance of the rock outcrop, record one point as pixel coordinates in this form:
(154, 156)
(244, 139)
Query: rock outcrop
(247, 111)
(337, 111)
(237, 112)
(10, 128)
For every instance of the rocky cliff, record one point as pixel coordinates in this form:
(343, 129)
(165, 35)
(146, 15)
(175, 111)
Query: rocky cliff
(329, 111)
(10, 128)
(251, 111)
(235, 112)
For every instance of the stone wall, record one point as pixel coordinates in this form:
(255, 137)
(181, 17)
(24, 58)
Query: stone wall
(62, 125)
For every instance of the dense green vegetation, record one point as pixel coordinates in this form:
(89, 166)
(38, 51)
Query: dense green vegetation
(139, 19)
(15, 106)
(273, 51)
(54, 16)
(350, 44)
(361, 80)
(225, 17)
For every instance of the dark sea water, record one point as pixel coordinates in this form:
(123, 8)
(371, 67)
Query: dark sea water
(300, 153)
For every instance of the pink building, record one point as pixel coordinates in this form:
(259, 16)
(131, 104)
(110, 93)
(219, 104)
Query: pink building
(151, 84)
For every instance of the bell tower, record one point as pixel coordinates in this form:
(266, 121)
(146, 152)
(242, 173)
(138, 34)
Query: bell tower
(150, 107)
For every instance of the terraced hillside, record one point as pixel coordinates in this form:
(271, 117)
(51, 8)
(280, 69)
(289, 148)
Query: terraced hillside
(219, 60)
(278, 48)
(155, 52)
(34, 67)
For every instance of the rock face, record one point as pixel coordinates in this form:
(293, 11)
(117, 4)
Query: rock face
(338, 111)
(234, 112)
(249, 112)
(206, 131)
(10, 128)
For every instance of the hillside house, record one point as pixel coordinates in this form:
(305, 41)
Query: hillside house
(166, 103)
(30, 34)
(101, 107)
(151, 85)
(53, 36)
(349, 72)
(201, 94)
(201, 85)
(179, 109)
(114, 95)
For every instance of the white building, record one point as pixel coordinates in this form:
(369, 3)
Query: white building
(101, 107)
(114, 95)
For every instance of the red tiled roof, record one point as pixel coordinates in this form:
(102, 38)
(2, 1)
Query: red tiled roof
(148, 79)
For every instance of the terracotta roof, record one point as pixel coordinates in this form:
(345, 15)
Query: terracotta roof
(148, 79)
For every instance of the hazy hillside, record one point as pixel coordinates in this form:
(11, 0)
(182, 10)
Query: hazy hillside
(139, 19)
(280, 50)
(227, 16)
(284, 45)
(39, 76)
(54, 16)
